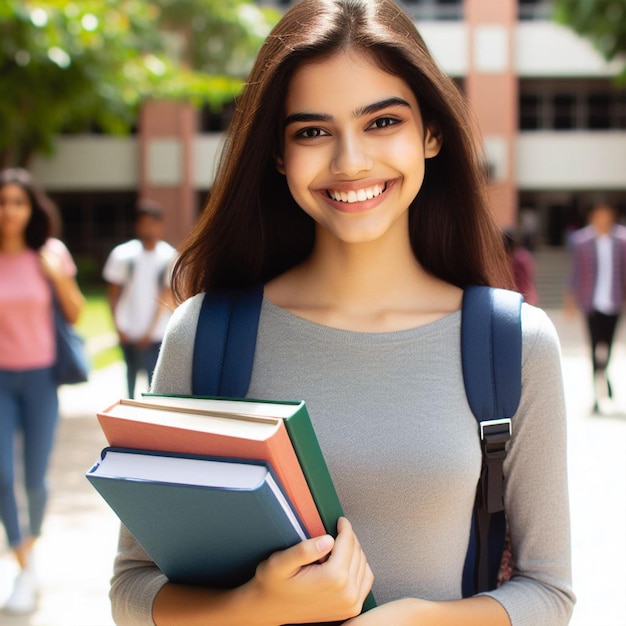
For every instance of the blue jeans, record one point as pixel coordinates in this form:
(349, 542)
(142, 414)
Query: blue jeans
(29, 407)
(139, 359)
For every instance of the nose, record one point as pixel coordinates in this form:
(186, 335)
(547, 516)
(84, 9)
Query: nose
(351, 156)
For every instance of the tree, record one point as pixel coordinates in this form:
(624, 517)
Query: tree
(71, 66)
(603, 22)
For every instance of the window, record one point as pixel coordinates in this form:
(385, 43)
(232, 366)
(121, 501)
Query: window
(594, 105)
(563, 111)
(433, 9)
(620, 110)
(95, 221)
(215, 121)
(599, 111)
(530, 112)
(534, 9)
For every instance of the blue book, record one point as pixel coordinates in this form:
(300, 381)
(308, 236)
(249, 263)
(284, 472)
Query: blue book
(203, 520)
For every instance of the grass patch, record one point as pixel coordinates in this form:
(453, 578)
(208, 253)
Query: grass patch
(106, 357)
(95, 321)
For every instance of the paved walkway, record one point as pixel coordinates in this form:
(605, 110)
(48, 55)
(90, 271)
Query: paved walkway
(76, 550)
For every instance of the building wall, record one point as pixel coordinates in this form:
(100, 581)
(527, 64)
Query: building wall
(491, 87)
(501, 62)
(166, 143)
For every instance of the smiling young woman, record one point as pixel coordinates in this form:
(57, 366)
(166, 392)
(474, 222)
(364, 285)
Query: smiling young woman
(364, 134)
(365, 137)
(350, 187)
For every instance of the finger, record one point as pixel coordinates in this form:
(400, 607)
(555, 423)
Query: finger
(287, 563)
(347, 565)
(359, 569)
(366, 579)
(360, 572)
(343, 524)
(343, 550)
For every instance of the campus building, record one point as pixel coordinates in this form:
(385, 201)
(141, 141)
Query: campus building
(552, 119)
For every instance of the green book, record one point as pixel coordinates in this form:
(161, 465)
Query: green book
(303, 439)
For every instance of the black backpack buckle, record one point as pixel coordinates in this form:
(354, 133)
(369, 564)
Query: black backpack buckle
(494, 435)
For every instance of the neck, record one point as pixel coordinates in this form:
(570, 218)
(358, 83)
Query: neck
(603, 230)
(149, 244)
(365, 279)
(13, 245)
(362, 273)
(369, 286)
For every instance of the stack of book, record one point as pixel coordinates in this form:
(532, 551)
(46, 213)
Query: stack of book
(210, 487)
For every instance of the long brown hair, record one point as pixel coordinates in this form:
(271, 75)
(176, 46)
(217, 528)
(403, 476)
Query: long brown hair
(251, 228)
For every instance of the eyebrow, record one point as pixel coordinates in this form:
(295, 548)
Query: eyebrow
(295, 118)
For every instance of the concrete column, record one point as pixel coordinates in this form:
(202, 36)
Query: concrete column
(492, 89)
(166, 134)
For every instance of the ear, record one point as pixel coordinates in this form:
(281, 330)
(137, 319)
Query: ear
(280, 164)
(432, 141)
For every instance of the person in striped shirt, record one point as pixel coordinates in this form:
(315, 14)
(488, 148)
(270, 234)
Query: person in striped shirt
(597, 287)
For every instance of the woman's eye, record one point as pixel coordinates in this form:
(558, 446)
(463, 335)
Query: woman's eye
(309, 133)
(384, 122)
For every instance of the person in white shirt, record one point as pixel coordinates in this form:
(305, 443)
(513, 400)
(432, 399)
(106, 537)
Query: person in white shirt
(138, 273)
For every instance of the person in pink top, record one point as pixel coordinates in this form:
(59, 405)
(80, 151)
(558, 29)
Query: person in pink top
(32, 264)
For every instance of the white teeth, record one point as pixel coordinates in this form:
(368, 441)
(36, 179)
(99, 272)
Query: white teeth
(356, 196)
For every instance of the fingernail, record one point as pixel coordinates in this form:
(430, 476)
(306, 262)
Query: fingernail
(324, 543)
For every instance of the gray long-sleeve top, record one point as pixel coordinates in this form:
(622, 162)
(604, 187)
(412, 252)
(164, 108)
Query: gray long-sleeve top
(401, 444)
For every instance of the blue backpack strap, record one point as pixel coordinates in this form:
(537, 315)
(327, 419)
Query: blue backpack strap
(225, 342)
(491, 349)
(491, 356)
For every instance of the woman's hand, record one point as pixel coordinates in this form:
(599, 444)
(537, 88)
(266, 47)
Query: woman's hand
(68, 292)
(51, 264)
(294, 585)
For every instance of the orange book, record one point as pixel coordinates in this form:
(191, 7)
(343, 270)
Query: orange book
(158, 424)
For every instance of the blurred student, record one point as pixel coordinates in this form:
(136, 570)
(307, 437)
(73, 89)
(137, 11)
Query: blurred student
(33, 265)
(529, 227)
(522, 268)
(598, 287)
(138, 273)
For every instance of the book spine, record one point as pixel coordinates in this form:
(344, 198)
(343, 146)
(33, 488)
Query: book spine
(309, 453)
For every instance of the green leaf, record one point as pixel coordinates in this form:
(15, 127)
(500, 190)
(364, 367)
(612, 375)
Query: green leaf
(67, 66)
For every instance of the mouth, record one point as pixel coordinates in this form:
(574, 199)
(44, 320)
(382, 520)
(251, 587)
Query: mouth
(356, 195)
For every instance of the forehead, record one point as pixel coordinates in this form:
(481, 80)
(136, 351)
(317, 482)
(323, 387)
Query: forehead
(13, 189)
(342, 83)
(602, 210)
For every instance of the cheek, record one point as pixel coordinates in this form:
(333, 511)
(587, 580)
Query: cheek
(301, 168)
(22, 210)
(409, 160)
(407, 153)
